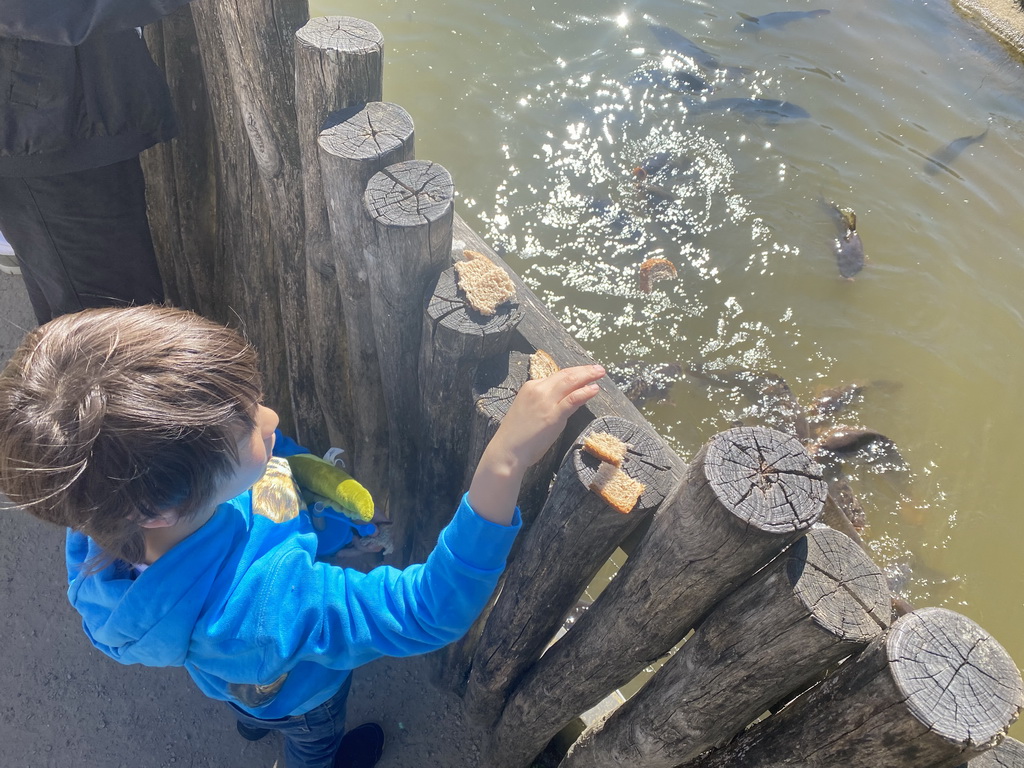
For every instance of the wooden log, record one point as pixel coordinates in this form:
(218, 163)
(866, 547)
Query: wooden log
(410, 204)
(497, 383)
(338, 64)
(357, 146)
(244, 290)
(570, 541)
(934, 690)
(1008, 754)
(181, 180)
(456, 340)
(258, 44)
(775, 635)
(748, 493)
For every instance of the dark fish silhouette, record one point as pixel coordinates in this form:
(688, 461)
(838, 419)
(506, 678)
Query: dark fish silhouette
(674, 42)
(642, 381)
(941, 158)
(849, 248)
(769, 110)
(834, 399)
(678, 81)
(652, 165)
(777, 406)
(774, 20)
(618, 220)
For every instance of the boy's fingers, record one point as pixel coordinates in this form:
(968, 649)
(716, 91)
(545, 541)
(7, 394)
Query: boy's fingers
(570, 379)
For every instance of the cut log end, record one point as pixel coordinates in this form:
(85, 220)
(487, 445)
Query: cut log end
(958, 681)
(766, 478)
(376, 130)
(645, 460)
(410, 194)
(841, 586)
(341, 33)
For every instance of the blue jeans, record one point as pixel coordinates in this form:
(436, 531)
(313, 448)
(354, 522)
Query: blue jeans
(311, 739)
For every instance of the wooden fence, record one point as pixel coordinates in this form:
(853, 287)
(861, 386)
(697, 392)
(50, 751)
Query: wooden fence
(293, 206)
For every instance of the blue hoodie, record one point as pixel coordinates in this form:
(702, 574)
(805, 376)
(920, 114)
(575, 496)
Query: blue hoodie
(244, 606)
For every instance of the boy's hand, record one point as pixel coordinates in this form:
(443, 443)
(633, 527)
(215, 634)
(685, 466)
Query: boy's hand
(535, 420)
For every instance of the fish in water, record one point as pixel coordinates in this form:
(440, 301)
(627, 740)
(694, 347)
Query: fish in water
(774, 20)
(848, 246)
(672, 41)
(941, 158)
(678, 81)
(618, 220)
(768, 110)
(642, 381)
(652, 165)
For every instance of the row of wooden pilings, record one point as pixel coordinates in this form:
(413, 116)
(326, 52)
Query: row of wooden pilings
(381, 354)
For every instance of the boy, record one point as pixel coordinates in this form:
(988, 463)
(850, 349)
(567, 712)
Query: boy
(141, 430)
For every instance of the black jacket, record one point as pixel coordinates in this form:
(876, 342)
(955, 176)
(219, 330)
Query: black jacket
(78, 88)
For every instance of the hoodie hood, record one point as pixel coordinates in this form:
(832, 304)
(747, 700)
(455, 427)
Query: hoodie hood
(144, 618)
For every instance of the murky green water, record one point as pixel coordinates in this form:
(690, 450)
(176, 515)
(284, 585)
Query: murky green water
(542, 111)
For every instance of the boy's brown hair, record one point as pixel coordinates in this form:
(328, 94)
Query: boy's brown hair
(110, 417)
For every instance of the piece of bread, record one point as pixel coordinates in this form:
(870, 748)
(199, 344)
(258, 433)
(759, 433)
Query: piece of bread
(542, 365)
(653, 270)
(486, 285)
(619, 490)
(606, 447)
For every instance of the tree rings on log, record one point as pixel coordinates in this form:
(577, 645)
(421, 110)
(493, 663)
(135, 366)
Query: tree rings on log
(344, 34)
(410, 194)
(376, 130)
(746, 466)
(957, 680)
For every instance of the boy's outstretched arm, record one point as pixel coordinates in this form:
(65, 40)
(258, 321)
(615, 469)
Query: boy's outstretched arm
(535, 420)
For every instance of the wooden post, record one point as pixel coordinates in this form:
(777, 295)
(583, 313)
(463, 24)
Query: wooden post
(934, 690)
(262, 99)
(181, 175)
(1008, 754)
(456, 339)
(497, 383)
(339, 63)
(770, 639)
(229, 261)
(570, 541)
(749, 493)
(358, 145)
(410, 205)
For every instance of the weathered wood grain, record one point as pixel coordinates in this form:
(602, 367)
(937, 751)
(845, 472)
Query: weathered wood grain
(570, 541)
(410, 204)
(770, 639)
(1008, 754)
(748, 493)
(456, 340)
(934, 690)
(359, 144)
(338, 64)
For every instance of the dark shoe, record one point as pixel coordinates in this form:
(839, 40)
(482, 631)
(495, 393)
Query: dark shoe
(249, 733)
(361, 747)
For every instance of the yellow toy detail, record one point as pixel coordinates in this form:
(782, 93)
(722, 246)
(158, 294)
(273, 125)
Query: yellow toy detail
(333, 483)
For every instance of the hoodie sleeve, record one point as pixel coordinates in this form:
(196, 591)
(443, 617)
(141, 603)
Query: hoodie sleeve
(342, 618)
(69, 23)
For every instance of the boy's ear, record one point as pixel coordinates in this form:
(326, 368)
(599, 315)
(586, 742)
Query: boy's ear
(163, 520)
